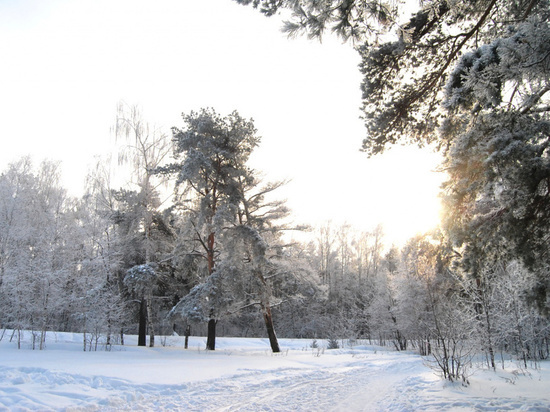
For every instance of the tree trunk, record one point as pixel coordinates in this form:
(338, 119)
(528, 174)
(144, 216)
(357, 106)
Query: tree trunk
(211, 339)
(150, 324)
(42, 344)
(142, 330)
(187, 333)
(109, 332)
(266, 310)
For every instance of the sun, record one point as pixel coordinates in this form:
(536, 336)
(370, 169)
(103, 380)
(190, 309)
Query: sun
(419, 215)
(409, 186)
(398, 190)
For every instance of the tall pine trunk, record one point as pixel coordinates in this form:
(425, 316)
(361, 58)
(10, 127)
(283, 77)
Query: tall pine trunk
(211, 339)
(266, 311)
(150, 323)
(142, 329)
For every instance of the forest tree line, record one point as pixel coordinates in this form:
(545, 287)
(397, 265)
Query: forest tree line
(217, 258)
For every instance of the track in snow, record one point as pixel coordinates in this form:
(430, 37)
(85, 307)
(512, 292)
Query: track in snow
(364, 382)
(357, 387)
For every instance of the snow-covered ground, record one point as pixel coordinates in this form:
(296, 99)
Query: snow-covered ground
(243, 375)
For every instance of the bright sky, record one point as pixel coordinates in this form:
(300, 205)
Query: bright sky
(66, 64)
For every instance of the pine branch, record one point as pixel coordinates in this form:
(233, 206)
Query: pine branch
(535, 99)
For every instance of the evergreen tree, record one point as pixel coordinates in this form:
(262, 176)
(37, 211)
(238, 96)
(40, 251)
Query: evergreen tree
(406, 61)
(256, 226)
(497, 195)
(210, 160)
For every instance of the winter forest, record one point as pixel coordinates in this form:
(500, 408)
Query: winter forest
(195, 242)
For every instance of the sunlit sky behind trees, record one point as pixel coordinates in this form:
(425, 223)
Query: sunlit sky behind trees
(67, 64)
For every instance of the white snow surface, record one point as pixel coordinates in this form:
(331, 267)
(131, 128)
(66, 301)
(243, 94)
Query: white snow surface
(242, 374)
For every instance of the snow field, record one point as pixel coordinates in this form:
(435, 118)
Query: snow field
(243, 375)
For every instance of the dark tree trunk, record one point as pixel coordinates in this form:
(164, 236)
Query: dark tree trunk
(150, 325)
(142, 330)
(270, 329)
(187, 333)
(211, 339)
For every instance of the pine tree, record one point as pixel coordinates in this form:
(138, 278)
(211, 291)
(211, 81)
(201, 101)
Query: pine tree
(406, 59)
(497, 195)
(211, 152)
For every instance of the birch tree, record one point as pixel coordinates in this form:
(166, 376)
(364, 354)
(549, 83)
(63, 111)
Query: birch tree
(145, 149)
